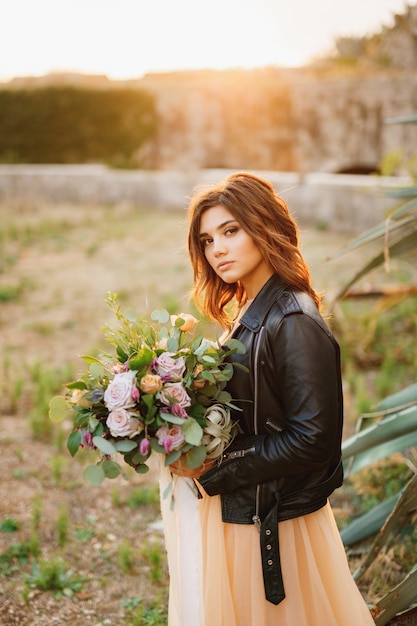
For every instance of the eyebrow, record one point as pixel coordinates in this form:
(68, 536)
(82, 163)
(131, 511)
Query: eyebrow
(219, 227)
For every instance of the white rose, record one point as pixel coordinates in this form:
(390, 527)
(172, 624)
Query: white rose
(174, 393)
(121, 392)
(122, 424)
(167, 366)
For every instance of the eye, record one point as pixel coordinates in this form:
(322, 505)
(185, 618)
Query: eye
(205, 242)
(231, 230)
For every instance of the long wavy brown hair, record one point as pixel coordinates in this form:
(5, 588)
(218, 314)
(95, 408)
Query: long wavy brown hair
(263, 214)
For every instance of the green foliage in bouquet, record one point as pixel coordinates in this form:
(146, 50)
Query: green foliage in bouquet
(162, 391)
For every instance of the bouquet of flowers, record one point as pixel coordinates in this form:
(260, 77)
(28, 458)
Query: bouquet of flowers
(162, 391)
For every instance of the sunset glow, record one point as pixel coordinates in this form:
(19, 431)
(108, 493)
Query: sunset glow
(128, 38)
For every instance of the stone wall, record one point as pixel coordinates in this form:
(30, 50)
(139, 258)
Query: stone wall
(287, 120)
(341, 124)
(340, 202)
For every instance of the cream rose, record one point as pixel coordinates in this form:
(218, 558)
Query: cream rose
(122, 391)
(122, 424)
(189, 321)
(151, 384)
(77, 398)
(174, 393)
(198, 383)
(166, 365)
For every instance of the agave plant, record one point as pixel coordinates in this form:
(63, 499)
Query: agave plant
(393, 427)
(396, 236)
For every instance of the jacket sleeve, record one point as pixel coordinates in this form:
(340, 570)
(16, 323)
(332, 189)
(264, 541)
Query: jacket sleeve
(304, 371)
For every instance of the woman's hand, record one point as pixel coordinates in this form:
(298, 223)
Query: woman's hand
(180, 468)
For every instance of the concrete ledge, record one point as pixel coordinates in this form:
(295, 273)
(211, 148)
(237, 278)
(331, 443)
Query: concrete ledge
(341, 202)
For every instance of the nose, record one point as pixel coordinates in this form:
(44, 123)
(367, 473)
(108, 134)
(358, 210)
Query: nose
(218, 247)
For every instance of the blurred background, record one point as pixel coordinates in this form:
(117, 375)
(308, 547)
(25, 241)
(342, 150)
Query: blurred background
(111, 113)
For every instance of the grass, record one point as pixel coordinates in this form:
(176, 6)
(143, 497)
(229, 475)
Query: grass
(57, 264)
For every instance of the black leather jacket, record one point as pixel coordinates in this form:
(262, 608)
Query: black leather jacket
(287, 461)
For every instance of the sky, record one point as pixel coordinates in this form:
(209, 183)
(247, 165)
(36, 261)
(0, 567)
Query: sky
(129, 38)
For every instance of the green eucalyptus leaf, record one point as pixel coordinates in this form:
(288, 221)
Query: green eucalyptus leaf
(236, 346)
(172, 344)
(58, 409)
(94, 474)
(208, 359)
(97, 370)
(137, 458)
(141, 469)
(195, 457)
(93, 423)
(105, 446)
(111, 468)
(174, 419)
(224, 397)
(160, 316)
(131, 315)
(125, 445)
(192, 431)
(156, 447)
(172, 457)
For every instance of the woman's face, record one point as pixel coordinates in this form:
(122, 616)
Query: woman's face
(232, 252)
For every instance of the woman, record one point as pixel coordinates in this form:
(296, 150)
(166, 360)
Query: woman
(270, 549)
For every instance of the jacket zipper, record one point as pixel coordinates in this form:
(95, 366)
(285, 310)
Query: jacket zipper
(256, 519)
(273, 426)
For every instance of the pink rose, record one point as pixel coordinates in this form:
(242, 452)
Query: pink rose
(144, 447)
(122, 392)
(87, 440)
(174, 393)
(176, 409)
(173, 369)
(151, 384)
(122, 424)
(170, 437)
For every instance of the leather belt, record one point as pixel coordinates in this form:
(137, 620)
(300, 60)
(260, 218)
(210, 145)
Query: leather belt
(271, 561)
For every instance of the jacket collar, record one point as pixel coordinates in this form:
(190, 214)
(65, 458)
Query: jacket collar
(258, 310)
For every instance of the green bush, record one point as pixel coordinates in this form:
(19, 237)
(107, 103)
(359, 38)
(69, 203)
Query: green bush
(74, 125)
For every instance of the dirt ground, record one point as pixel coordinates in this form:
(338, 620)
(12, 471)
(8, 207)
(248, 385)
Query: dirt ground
(61, 270)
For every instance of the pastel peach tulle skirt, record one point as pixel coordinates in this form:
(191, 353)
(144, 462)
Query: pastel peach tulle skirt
(216, 575)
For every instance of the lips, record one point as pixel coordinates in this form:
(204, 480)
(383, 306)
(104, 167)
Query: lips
(224, 266)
